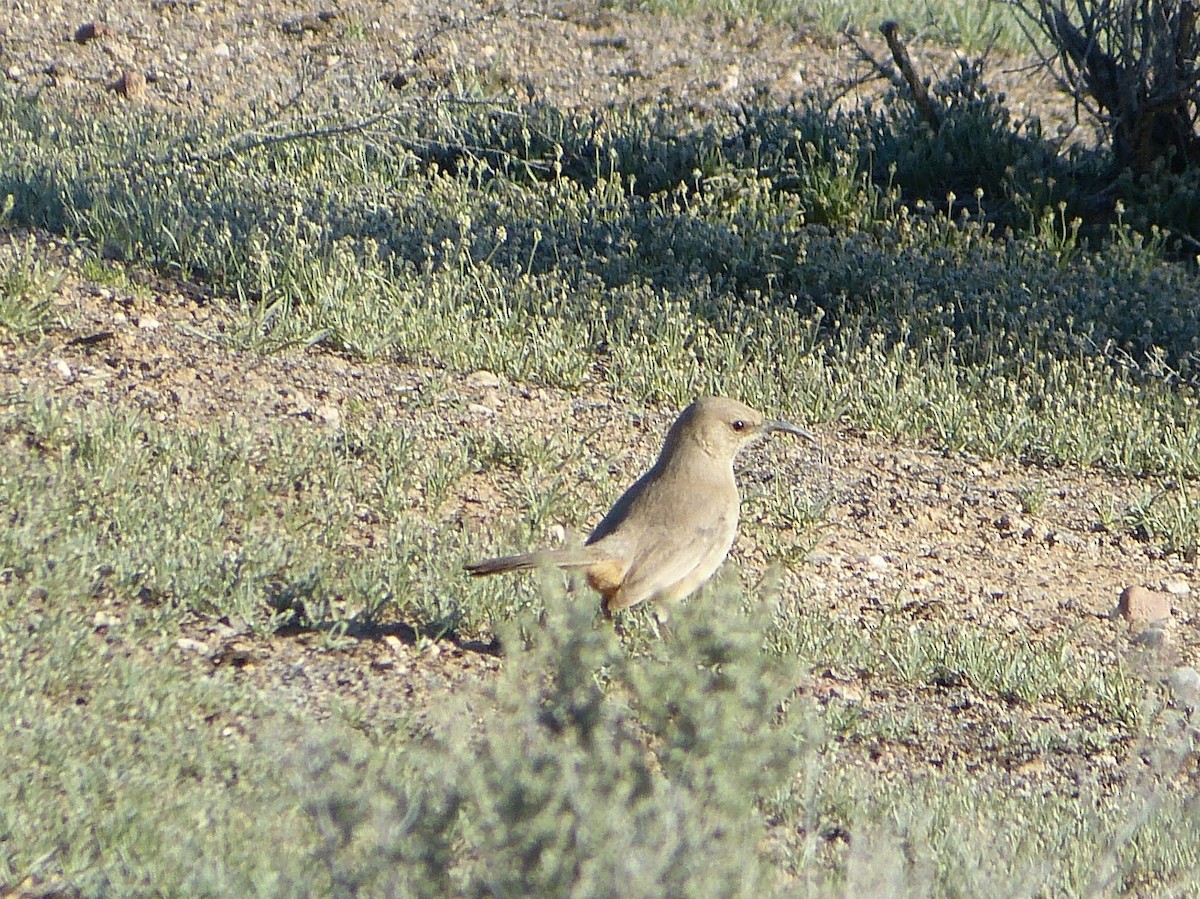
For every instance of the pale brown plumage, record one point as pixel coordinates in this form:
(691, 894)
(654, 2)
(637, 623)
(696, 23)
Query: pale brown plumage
(670, 531)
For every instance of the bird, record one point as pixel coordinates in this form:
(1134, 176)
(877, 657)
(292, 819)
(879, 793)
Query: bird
(671, 530)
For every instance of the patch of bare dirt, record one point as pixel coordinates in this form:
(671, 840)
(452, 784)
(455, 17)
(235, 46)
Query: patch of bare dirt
(214, 55)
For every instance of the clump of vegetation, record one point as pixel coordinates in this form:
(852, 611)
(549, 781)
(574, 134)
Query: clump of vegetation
(617, 775)
(26, 284)
(1133, 65)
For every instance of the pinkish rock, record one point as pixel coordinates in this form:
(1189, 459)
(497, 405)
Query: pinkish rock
(1141, 606)
(131, 85)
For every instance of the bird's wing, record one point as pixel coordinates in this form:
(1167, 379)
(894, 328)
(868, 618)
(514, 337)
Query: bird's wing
(672, 564)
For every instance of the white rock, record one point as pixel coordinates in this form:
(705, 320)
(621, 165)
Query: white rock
(395, 644)
(1184, 683)
(187, 644)
(104, 619)
(483, 379)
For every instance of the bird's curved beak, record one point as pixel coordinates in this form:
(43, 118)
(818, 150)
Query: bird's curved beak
(771, 426)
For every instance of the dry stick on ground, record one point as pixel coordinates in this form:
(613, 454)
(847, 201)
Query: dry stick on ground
(891, 34)
(881, 69)
(253, 138)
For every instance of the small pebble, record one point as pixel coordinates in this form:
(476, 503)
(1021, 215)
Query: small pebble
(131, 85)
(103, 619)
(89, 31)
(1008, 522)
(394, 643)
(1152, 638)
(224, 631)
(482, 379)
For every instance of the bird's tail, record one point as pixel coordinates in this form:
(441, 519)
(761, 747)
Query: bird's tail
(578, 557)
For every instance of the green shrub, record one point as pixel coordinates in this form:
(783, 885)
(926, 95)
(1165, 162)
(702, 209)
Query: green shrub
(594, 773)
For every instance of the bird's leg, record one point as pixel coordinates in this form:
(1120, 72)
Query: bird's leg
(618, 626)
(659, 621)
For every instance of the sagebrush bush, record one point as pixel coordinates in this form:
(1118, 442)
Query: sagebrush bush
(1133, 65)
(593, 773)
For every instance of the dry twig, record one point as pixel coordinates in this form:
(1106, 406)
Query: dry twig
(891, 34)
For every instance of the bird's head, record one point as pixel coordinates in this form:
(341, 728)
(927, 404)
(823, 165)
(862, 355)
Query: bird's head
(721, 427)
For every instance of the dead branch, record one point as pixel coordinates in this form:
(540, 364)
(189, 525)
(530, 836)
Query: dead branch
(891, 34)
(1132, 64)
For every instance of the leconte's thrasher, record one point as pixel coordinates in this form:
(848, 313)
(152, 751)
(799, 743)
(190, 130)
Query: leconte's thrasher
(669, 532)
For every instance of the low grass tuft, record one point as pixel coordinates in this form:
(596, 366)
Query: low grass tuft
(27, 284)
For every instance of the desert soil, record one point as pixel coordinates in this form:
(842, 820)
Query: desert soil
(910, 531)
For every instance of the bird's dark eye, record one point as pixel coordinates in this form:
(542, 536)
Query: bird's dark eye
(739, 425)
